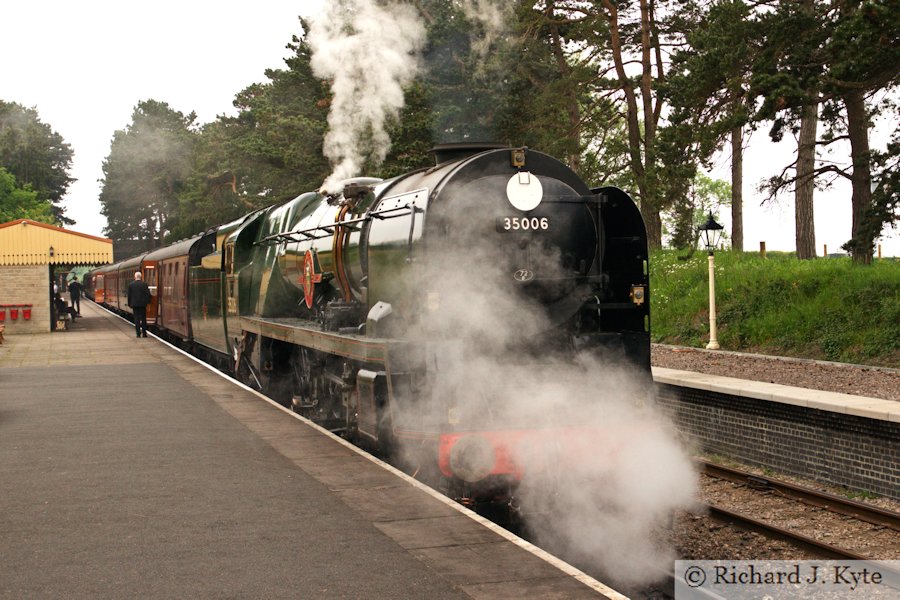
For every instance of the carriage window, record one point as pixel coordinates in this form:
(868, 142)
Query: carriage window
(151, 279)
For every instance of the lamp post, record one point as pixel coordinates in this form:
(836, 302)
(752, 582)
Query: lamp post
(711, 232)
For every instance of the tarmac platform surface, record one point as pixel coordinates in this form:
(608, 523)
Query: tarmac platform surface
(127, 469)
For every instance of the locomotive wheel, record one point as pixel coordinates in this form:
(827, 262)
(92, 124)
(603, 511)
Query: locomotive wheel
(316, 390)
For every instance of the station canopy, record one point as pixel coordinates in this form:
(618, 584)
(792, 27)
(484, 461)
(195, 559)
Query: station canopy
(27, 242)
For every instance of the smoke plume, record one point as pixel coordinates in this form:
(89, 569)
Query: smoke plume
(369, 52)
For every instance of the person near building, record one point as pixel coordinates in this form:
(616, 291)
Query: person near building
(138, 299)
(75, 291)
(62, 308)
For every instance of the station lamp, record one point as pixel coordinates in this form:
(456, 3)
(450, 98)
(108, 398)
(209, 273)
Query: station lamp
(711, 232)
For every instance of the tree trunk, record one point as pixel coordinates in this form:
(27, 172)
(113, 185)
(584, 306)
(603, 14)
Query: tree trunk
(652, 219)
(805, 186)
(653, 223)
(641, 141)
(737, 189)
(864, 234)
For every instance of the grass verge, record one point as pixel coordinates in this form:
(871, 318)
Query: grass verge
(827, 309)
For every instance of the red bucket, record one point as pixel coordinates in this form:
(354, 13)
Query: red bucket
(13, 313)
(2, 314)
(26, 313)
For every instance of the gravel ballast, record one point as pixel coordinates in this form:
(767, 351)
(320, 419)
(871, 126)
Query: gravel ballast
(859, 380)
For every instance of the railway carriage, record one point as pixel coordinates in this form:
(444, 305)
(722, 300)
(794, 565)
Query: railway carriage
(111, 286)
(170, 270)
(93, 285)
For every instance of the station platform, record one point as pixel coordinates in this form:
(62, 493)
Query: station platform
(833, 402)
(128, 469)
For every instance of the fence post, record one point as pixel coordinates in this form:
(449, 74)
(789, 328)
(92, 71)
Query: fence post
(762, 249)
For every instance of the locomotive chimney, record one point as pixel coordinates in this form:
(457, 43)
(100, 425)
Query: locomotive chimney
(459, 150)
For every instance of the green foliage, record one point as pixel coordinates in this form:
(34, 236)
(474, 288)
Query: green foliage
(467, 88)
(35, 155)
(274, 146)
(709, 79)
(147, 167)
(411, 136)
(22, 202)
(830, 309)
(787, 70)
(861, 495)
(844, 55)
(704, 196)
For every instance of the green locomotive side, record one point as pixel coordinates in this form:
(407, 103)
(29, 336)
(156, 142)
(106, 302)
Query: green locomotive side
(206, 293)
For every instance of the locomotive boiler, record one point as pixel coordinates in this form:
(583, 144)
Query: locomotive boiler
(404, 312)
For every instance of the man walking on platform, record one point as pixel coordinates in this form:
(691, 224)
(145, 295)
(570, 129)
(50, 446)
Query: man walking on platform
(75, 289)
(138, 299)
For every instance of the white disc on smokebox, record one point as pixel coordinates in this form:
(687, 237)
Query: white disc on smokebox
(524, 191)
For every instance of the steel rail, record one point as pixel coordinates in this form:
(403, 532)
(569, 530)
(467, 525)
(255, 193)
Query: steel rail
(774, 532)
(830, 502)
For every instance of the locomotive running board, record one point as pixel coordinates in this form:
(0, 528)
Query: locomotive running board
(309, 334)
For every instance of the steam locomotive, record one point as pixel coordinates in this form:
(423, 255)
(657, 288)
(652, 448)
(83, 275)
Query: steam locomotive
(369, 310)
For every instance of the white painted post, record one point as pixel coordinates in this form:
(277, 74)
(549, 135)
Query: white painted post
(713, 341)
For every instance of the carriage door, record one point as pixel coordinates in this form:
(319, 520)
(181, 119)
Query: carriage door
(150, 278)
(231, 287)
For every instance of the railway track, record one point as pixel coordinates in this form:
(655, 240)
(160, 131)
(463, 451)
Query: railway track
(869, 514)
(774, 532)
(844, 506)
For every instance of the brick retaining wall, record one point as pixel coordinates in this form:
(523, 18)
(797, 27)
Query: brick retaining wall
(26, 284)
(830, 447)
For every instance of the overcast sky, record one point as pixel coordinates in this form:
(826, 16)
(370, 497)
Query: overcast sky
(85, 65)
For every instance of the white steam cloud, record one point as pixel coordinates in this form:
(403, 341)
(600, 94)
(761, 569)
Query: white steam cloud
(605, 472)
(369, 52)
(607, 508)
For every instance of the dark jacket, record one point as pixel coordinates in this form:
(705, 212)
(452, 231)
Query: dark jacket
(75, 289)
(138, 293)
